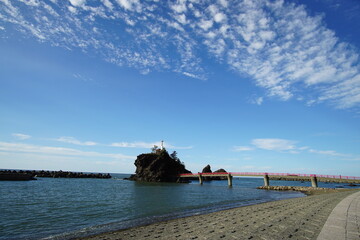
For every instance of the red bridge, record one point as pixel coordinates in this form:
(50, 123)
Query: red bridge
(314, 178)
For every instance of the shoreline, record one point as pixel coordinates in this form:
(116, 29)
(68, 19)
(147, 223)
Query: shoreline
(308, 191)
(294, 217)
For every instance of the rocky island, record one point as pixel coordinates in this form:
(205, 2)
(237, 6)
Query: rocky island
(158, 166)
(207, 169)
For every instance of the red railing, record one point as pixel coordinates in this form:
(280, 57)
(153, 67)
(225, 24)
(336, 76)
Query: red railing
(274, 174)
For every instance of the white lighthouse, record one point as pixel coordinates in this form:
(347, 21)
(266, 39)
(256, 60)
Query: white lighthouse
(162, 145)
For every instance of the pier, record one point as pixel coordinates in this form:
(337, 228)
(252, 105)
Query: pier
(313, 178)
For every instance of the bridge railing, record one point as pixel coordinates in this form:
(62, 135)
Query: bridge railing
(274, 174)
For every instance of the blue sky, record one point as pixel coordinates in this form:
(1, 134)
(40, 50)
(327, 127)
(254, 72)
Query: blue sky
(250, 86)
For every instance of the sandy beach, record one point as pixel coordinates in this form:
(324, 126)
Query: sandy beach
(297, 218)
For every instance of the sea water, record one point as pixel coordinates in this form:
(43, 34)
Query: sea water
(60, 208)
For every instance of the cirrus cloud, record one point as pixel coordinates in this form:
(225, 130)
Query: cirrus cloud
(274, 144)
(277, 44)
(242, 148)
(56, 151)
(290, 146)
(73, 140)
(146, 145)
(21, 136)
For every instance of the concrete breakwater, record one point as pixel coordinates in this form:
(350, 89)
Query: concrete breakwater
(10, 176)
(305, 190)
(319, 179)
(294, 188)
(19, 175)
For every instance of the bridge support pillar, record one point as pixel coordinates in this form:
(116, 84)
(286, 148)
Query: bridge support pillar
(229, 180)
(266, 180)
(314, 182)
(200, 179)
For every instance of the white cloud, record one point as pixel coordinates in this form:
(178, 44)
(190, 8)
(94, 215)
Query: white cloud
(130, 22)
(223, 3)
(77, 3)
(176, 25)
(328, 152)
(72, 9)
(267, 35)
(345, 94)
(292, 47)
(206, 24)
(181, 18)
(193, 75)
(75, 141)
(33, 3)
(132, 5)
(81, 77)
(60, 151)
(279, 45)
(148, 145)
(242, 148)
(289, 146)
(108, 4)
(179, 6)
(257, 101)
(219, 17)
(23, 160)
(213, 9)
(135, 144)
(21, 136)
(274, 144)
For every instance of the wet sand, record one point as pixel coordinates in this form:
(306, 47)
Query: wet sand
(297, 218)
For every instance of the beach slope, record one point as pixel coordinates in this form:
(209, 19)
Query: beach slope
(297, 218)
